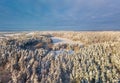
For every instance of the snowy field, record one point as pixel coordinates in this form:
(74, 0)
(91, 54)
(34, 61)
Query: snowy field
(59, 40)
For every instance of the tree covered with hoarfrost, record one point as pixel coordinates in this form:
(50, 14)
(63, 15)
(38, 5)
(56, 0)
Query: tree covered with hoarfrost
(34, 60)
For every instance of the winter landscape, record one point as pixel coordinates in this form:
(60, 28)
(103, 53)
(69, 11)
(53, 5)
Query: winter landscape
(60, 57)
(59, 41)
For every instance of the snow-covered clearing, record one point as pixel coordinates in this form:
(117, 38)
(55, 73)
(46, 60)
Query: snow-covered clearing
(59, 40)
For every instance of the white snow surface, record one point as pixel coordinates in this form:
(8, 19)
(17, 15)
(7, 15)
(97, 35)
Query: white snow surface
(59, 40)
(62, 51)
(30, 33)
(12, 34)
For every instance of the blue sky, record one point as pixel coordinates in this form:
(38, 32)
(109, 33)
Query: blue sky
(57, 14)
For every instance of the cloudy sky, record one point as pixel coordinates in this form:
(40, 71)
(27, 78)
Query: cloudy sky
(60, 14)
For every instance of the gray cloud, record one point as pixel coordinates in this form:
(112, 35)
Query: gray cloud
(60, 12)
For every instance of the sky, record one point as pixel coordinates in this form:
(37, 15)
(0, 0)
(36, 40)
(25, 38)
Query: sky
(60, 14)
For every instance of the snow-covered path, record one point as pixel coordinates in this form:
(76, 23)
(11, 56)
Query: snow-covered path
(59, 40)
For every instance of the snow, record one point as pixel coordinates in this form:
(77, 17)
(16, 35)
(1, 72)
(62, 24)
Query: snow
(31, 33)
(59, 40)
(3, 35)
(63, 51)
(12, 34)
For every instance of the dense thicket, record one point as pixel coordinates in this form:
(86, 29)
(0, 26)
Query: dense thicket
(94, 63)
